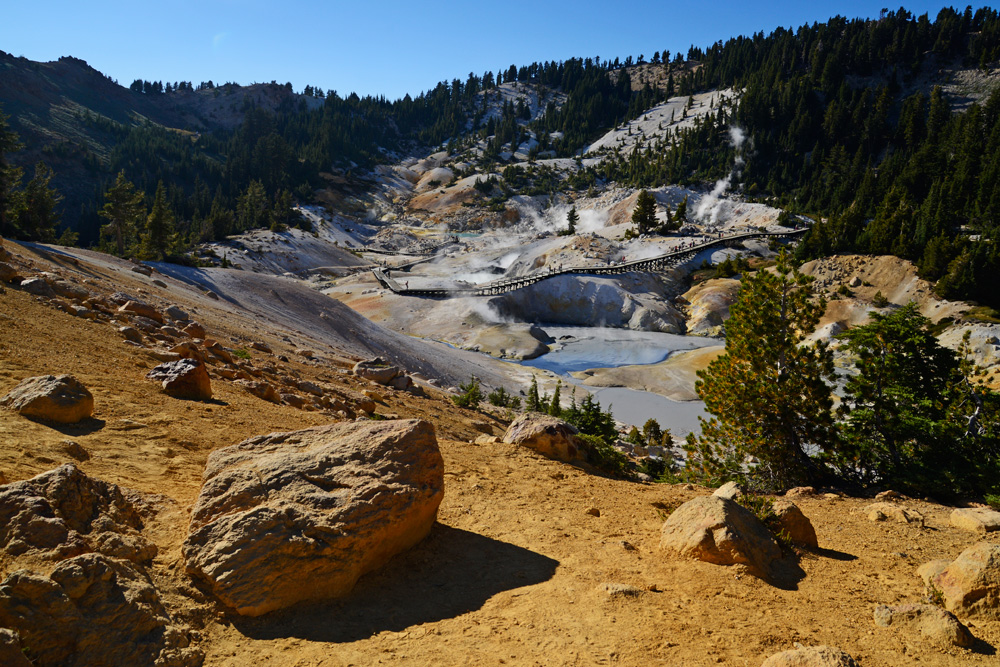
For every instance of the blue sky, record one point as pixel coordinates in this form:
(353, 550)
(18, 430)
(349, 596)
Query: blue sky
(380, 46)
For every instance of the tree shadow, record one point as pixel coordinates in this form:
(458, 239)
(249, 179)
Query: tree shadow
(452, 572)
(832, 554)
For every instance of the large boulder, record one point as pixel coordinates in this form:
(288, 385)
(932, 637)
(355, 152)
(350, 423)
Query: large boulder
(93, 611)
(721, 531)
(289, 517)
(970, 584)
(61, 399)
(546, 435)
(811, 656)
(930, 621)
(63, 513)
(976, 519)
(184, 378)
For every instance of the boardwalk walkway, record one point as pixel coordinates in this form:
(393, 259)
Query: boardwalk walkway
(660, 262)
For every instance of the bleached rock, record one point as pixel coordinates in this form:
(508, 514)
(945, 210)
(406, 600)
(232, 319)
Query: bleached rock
(976, 519)
(812, 656)
(289, 517)
(184, 378)
(930, 621)
(795, 524)
(970, 584)
(546, 435)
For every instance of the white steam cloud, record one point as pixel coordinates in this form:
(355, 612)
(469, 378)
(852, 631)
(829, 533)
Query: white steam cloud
(712, 208)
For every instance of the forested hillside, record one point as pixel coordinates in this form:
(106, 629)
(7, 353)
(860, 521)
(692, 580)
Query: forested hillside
(857, 122)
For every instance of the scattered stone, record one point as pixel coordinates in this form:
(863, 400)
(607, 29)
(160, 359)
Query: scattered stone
(482, 426)
(142, 269)
(855, 282)
(721, 531)
(931, 621)
(486, 440)
(216, 349)
(159, 283)
(813, 656)
(309, 387)
(546, 435)
(8, 273)
(970, 584)
(293, 400)
(261, 390)
(68, 290)
(374, 395)
(93, 610)
(188, 350)
(376, 370)
(62, 399)
(621, 590)
(593, 511)
(289, 517)
(185, 378)
(308, 354)
(831, 496)
(893, 512)
(75, 450)
(38, 287)
(63, 512)
(260, 347)
(194, 330)
(172, 332)
(164, 355)
(888, 495)
(142, 309)
(730, 490)
(212, 295)
(402, 382)
(976, 519)
(795, 524)
(176, 313)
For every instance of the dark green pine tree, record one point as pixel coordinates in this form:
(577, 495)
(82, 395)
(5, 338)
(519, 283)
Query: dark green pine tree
(160, 235)
(571, 219)
(35, 207)
(124, 210)
(644, 215)
(10, 177)
(554, 408)
(769, 394)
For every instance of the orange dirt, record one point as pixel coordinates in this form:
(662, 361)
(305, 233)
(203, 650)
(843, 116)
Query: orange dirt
(513, 573)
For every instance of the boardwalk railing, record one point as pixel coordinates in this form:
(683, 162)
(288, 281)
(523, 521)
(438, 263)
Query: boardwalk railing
(673, 258)
(429, 250)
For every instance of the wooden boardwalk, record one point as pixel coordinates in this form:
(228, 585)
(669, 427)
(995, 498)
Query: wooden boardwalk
(658, 263)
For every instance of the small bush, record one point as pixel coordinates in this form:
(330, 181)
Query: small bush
(604, 457)
(879, 300)
(501, 398)
(471, 394)
(844, 290)
(242, 353)
(993, 501)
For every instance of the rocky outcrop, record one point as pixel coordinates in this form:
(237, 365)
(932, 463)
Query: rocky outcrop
(718, 530)
(261, 390)
(289, 517)
(790, 520)
(63, 513)
(546, 435)
(93, 610)
(812, 656)
(141, 309)
(11, 650)
(185, 378)
(708, 305)
(970, 584)
(930, 621)
(377, 371)
(976, 519)
(61, 399)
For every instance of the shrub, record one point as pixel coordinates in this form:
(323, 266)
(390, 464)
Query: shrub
(471, 394)
(501, 398)
(604, 457)
(242, 353)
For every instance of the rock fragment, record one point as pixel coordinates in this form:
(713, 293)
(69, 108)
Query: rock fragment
(546, 435)
(184, 378)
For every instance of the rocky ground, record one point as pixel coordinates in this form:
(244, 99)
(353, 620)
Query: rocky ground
(530, 561)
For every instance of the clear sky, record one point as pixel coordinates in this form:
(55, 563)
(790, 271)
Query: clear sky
(381, 47)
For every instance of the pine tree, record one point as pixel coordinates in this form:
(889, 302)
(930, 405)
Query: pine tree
(554, 408)
(124, 210)
(768, 394)
(533, 402)
(160, 235)
(10, 176)
(35, 214)
(644, 215)
(571, 219)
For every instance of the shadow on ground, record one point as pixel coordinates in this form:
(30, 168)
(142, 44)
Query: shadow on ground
(450, 573)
